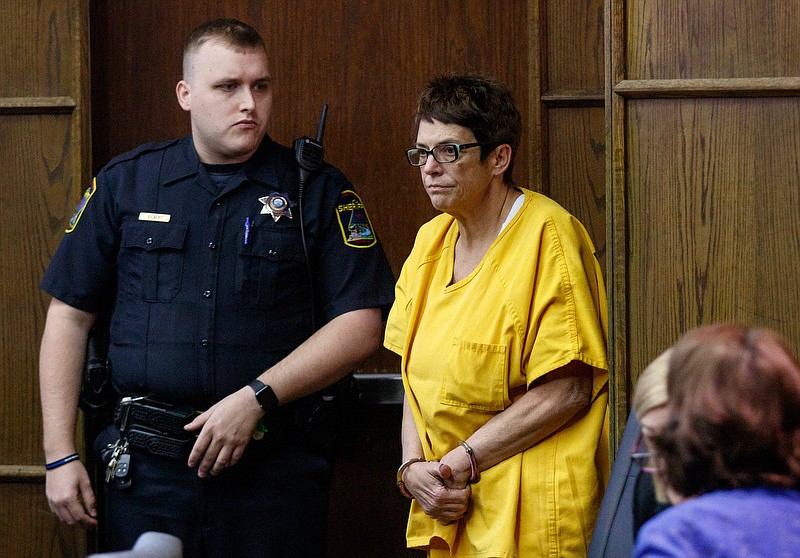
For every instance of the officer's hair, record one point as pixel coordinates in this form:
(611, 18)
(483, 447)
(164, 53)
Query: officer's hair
(230, 32)
(478, 102)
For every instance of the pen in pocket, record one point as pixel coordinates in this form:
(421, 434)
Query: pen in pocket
(246, 231)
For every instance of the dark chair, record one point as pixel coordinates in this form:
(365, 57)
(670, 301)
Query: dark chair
(614, 531)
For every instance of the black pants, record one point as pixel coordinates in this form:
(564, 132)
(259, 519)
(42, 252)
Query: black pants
(272, 504)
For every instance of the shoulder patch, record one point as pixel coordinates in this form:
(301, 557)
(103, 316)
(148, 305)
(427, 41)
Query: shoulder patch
(357, 231)
(87, 195)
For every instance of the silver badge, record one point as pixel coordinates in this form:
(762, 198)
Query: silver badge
(276, 205)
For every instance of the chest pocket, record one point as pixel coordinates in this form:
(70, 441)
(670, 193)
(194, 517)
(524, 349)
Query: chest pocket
(475, 376)
(270, 269)
(151, 259)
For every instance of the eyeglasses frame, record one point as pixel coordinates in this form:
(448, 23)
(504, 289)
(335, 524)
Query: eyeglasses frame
(429, 152)
(639, 457)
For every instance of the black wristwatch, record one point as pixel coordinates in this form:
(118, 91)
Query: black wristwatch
(264, 395)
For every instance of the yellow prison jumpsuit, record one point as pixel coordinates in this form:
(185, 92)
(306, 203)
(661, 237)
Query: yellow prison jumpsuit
(535, 303)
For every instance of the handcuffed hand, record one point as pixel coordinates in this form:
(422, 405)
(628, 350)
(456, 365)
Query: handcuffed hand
(432, 486)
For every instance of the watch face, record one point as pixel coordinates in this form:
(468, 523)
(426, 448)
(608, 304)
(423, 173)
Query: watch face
(264, 395)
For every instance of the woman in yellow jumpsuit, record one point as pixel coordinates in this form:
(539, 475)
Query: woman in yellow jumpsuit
(500, 320)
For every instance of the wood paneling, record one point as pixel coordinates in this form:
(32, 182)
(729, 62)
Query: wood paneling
(577, 168)
(37, 198)
(714, 216)
(43, 169)
(681, 39)
(702, 172)
(574, 47)
(36, 48)
(571, 107)
(549, 52)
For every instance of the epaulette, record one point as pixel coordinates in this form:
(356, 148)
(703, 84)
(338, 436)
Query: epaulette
(143, 149)
(334, 172)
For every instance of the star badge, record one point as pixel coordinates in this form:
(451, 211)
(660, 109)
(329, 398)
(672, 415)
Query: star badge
(276, 205)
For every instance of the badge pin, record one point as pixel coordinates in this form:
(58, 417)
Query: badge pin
(276, 205)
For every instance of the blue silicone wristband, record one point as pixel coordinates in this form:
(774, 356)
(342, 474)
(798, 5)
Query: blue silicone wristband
(63, 461)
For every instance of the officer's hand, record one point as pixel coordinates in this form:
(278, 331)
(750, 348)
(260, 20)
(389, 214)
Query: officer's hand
(425, 481)
(70, 495)
(226, 429)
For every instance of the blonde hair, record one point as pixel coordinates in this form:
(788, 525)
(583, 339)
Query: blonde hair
(651, 387)
(651, 393)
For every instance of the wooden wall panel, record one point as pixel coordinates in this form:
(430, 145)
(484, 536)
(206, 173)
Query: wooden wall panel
(714, 217)
(681, 39)
(702, 172)
(574, 47)
(577, 168)
(34, 38)
(549, 52)
(571, 109)
(37, 194)
(43, 169)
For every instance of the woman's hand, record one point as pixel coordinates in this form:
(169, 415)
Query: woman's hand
(432, 485)
(455, 468)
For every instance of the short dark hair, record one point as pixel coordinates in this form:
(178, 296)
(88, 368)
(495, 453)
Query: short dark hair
(735, 420)
(230, 32)
(480, 103)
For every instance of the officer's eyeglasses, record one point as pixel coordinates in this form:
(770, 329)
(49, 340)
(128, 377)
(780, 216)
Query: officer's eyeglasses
(642, 456)
(444, 153)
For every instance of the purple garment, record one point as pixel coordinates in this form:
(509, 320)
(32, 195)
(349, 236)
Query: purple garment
(751, 522)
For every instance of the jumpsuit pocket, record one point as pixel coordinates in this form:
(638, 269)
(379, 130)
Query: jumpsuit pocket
(151, 254)
(270, 269)
(475, 376)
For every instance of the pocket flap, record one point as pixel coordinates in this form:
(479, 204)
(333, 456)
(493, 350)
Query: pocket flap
(154, 236)
(274, 245)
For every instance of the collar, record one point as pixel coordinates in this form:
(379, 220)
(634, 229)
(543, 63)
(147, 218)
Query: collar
(267, 166)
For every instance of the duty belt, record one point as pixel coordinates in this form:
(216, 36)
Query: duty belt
(155, 426)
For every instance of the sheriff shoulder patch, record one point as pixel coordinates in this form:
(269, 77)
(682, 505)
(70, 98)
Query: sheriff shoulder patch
(87, 195)
(353, 221)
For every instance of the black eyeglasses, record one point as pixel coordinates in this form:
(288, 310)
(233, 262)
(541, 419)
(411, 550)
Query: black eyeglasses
(444, 153)
(641, 456)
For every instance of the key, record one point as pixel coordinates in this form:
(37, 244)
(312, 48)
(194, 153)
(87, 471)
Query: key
(119, 448)
(112, 463)
(122, 471)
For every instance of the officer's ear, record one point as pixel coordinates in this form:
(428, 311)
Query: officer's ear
(183, 91)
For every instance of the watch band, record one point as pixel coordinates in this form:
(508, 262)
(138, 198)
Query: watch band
(264, 395)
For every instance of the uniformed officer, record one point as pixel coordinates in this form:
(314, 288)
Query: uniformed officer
(233, 294)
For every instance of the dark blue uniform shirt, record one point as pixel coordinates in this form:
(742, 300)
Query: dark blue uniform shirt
(210, 288)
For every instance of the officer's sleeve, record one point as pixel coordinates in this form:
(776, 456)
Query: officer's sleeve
(82, 271)
(352, 270)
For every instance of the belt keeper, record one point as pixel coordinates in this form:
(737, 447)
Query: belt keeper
(402, 469)
(474, 473)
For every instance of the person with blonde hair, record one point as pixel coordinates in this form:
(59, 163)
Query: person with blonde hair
(650, 405)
